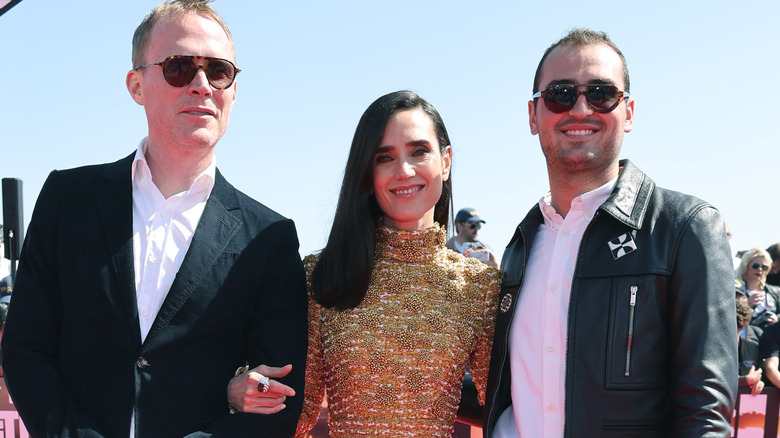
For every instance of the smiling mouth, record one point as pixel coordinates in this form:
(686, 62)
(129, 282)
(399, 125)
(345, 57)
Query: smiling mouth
(407, 192)
(577, 132)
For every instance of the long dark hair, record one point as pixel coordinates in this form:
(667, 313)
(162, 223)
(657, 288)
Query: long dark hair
(343, 272)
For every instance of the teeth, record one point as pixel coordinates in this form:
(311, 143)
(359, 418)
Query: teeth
(580, 132)
(407, 191)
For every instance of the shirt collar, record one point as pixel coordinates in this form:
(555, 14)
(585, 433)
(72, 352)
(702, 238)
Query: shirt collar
(588, 202)
(140, 172)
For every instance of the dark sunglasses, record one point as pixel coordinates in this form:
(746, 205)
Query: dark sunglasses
(601, 98)
(180, 70)
(472, 225)
(759, 265)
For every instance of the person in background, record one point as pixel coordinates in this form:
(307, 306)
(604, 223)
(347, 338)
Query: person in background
(144, 283)
(395, 317)
(773, 277)
(748, 337)
(763, 298)
(616, 314)
(467, 226)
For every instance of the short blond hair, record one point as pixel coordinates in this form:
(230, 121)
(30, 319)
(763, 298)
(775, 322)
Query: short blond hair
(175, 8)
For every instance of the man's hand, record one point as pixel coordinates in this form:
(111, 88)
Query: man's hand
(754, 380)
(484, 255)
(244, 396)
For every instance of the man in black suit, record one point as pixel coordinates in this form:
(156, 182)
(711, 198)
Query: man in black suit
(144, 283)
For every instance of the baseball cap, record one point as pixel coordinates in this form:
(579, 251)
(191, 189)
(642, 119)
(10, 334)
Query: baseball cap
(468, 215)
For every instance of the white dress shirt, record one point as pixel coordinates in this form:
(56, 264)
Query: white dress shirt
(538, 335)
(162, 233)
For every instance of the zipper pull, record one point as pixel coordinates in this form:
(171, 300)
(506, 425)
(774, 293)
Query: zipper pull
(634, 289)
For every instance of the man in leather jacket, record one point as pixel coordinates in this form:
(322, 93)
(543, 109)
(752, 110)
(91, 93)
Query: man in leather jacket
(616, 316)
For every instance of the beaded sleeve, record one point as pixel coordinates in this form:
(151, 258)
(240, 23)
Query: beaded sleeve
(479, 361)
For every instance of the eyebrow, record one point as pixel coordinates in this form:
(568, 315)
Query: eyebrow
(412, 143)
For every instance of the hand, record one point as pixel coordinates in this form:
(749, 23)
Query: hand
(492, 259)
(484, 255)
(244, 396)
(756, 298)
(754, 380)
(771, 319)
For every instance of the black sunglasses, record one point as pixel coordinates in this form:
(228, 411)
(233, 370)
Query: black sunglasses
(180, 70)
(759, 265)
(473, 225)
(601, 98)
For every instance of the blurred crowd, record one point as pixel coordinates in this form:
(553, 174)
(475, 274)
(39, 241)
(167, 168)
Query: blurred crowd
(757, 286)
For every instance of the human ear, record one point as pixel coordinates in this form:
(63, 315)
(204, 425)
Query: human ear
(532, 117)
(134, 82)
(446, 161)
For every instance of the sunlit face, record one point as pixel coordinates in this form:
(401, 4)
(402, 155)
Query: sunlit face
(468, 230)
(761, 269)
(581, 139)
(409, 170)
(193, 116)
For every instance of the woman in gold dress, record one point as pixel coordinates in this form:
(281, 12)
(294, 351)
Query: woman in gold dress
(395, 318)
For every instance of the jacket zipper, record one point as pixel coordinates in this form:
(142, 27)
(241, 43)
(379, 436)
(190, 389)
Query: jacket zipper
(631, 307)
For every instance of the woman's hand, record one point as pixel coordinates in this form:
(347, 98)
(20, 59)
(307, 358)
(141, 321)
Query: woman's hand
(245, 396)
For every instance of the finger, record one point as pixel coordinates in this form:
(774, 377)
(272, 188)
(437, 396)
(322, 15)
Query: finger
(274, 372)
(264, 410)
(280, 388)
(275, 388)
(264, 402)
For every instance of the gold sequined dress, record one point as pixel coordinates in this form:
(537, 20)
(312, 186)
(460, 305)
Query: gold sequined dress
(393, 366)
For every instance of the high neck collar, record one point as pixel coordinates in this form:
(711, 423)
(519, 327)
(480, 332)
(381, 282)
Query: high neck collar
(410, 245)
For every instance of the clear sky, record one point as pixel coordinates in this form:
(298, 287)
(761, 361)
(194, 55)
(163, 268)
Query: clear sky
(703, 74)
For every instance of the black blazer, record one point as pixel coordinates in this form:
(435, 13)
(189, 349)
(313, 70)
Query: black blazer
(73, 356)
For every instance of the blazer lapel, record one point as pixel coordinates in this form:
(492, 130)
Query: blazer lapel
(115, 206)
(216, 228)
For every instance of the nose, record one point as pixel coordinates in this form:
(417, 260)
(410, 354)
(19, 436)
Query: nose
(581, 106)
(200, 85)
(404, 170)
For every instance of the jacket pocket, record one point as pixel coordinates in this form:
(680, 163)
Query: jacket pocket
(637, 350)
(633, 429)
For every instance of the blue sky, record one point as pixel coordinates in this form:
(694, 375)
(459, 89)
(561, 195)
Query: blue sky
(702, 73)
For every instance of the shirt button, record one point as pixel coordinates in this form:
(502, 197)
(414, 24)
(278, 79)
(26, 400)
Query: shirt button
(153, 258)
(550, 408)
(553, 288)
(142, 363)
(565, 232)
(550, 348)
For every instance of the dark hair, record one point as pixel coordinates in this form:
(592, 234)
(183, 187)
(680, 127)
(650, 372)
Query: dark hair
(744, 313)
(582, 37)
(343, 271)
(773, 250)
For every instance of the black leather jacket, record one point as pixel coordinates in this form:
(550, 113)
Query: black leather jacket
(681, 375)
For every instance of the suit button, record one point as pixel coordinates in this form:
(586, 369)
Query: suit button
(142, 363)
